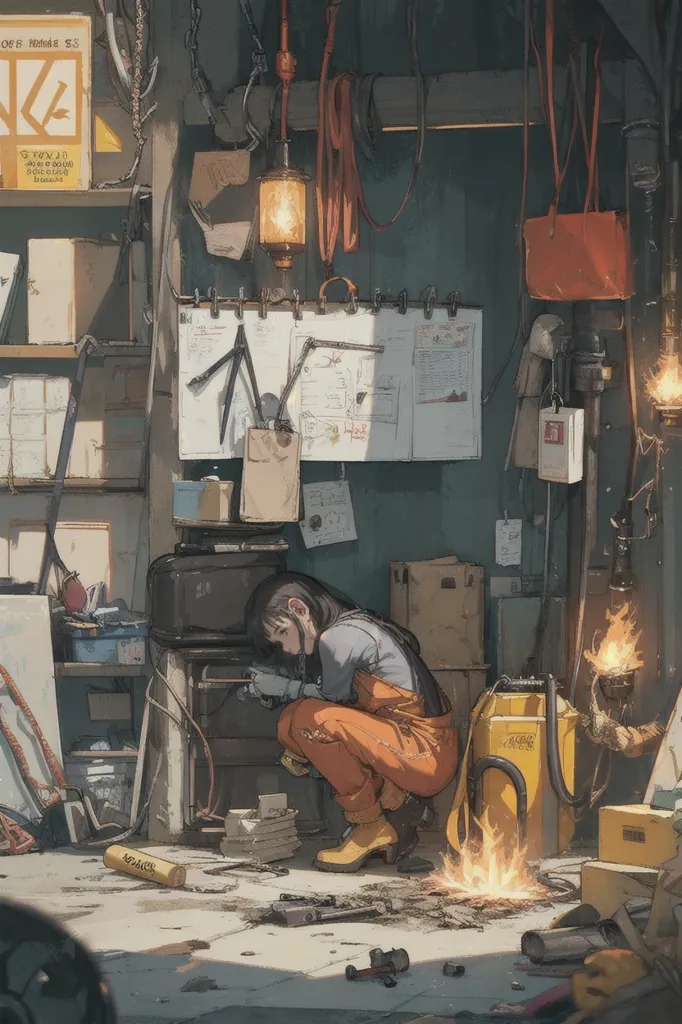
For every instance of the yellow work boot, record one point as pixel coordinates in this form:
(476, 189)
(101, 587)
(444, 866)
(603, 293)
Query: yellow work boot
(364, 841)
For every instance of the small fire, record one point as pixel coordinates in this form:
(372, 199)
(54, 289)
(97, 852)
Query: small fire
(617, 654)
(489, 871)
(665, 386)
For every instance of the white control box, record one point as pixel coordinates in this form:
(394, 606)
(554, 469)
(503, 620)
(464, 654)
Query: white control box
(560, 448)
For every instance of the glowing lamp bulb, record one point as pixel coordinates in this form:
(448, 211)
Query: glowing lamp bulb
(282, 202)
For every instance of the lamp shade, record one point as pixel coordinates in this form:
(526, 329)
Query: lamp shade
(282, 203)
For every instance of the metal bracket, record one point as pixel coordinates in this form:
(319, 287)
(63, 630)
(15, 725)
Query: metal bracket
(377, 299)
(240, 304)
(453, 300)
(296, 304)
(197, 298)
(322, 305)
(263, 303)
(402, 301)
(429, 302)
(213, 296)
(353, 304)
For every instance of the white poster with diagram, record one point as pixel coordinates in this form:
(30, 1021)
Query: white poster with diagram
(381, 387)
(327, 514)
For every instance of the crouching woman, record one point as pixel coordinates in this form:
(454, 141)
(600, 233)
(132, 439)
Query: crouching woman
(379, 729)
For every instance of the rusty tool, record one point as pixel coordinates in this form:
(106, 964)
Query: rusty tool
(296, 915)
(386, 965)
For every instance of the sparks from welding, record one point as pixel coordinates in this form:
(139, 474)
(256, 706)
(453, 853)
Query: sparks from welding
(489, 871)
(618, 652)
(664, 387)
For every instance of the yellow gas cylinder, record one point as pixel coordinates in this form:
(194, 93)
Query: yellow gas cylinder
(143, 865)
(512, 725)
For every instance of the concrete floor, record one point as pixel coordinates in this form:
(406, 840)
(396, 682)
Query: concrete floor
(263, 971)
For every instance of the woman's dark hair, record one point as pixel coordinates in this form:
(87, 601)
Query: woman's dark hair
(270, 602)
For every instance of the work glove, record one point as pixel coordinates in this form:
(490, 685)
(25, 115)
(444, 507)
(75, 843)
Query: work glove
(272, 689)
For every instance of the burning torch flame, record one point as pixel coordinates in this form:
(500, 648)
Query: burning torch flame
(489, 871)
(665, 386)
(617, 654)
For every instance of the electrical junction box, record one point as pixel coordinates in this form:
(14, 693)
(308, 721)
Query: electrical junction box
(560, 445)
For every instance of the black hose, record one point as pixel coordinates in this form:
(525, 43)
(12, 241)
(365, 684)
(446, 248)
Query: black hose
(556, 775)
(516, 778)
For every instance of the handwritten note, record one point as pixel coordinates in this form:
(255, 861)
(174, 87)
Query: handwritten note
(508, 533)
(328, 514)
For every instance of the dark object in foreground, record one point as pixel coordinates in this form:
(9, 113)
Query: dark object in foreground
(45, 975)
(386, 965)
(453, 970)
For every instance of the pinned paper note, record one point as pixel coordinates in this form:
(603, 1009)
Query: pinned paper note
(328, 514)
(508, 533)
(223, 201)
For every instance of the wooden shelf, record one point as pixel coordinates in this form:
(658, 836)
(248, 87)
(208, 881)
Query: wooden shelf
(94, 197)
(90, 669)
(209, 524)
(74, 485)
(69, 351)
(101, 755)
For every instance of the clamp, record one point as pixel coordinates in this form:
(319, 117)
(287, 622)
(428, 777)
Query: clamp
(402, 301)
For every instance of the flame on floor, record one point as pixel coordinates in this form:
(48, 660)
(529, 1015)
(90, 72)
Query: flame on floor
(664, 387)
(618, 652)
(489, 870)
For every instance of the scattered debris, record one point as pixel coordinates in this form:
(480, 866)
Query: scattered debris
(200, 984)
(518, 987)
(248, 865)
(453, 970)
(180, 948)
(295, 915)
(384, 965)
(248, 952)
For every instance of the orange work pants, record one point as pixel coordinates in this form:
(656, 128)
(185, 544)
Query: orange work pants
(374, 752)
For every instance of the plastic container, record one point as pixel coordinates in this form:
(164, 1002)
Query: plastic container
(120, 645)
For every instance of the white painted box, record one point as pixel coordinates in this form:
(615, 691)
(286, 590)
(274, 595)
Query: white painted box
(560, 445)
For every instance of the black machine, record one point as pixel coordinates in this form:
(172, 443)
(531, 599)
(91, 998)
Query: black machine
(200, 600)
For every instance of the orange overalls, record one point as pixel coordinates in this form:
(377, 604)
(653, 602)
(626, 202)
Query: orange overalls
(376, 750)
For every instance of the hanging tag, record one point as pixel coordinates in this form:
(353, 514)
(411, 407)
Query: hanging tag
(508, 534)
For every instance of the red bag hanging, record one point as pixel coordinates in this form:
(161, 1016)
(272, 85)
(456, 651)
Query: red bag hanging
(575, 257)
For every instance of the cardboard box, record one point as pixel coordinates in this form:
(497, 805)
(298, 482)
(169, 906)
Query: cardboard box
(203, 501)
(636, 834)
(45, 90)
(608, 886)
(74, 288)
(441, 601)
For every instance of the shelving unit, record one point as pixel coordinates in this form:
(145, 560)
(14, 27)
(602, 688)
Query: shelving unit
(74, 485)
(101, 670)
(92, 198)
(68, 352)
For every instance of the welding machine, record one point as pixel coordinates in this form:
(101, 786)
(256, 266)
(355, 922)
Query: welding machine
(522, 741)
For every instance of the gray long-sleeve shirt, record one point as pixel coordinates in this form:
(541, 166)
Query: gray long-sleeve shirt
(359, 644)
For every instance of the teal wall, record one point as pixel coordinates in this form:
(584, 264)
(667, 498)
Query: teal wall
(459, 232)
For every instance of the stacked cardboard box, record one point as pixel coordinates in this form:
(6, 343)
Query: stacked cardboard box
(264, 835)
(442, 602)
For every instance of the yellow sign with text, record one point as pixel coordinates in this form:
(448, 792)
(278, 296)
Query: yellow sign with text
(45, 88)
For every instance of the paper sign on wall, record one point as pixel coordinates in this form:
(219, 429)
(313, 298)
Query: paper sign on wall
(328, 512)
(45, 87)
(508, 534)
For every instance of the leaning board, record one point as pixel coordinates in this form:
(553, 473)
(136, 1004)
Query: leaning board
(419, 399)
